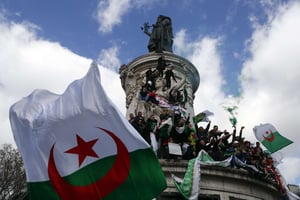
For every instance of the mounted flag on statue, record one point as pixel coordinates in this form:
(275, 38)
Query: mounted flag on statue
(78, 146)
(270, 138)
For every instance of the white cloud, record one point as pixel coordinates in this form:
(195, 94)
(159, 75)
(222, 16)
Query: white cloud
(272, 75)
(110, 12)
(270, 79)
(290, 170)
(204, 54)
(109, 58)
(28, 62)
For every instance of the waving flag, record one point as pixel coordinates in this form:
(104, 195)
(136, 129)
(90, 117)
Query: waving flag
(203, 116)
(270, 138)
(233, 113)
(78, 146)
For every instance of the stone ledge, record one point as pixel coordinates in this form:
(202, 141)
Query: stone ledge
(223, 181)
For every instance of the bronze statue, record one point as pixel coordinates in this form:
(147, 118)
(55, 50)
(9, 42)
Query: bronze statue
(161, 37)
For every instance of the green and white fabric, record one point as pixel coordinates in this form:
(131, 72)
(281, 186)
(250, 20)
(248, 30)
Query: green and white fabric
(189, 185)
(270, 137)
(78, 146)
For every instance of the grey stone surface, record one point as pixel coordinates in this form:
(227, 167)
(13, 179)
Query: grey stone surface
(222, 182)
(133, 76)
(217, 183)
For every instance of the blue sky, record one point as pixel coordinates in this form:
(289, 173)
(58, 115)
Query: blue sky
(76, 26)
(247, 53)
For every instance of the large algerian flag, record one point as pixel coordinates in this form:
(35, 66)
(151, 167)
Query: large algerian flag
(78, 146)
(270, 138)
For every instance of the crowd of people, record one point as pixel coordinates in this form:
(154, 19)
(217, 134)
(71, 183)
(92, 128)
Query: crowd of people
(148, 89)
(172, 127)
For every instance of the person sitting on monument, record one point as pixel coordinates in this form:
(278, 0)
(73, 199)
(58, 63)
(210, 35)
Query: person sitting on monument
(179, 134)
(149, 75)
(203, 133)
(168, 75)
(172, 97)
(202, 145)
(257, 156)
(138, 117)
(225, 140)
(131, 119)
(140, 126)
(160, 85)
(180, 98)
(176, 98)
(216, 152)
(214, 134)
(164, 129)
(150, 85)
(151, 129)
(161, 65)
(189, 145)
(164, 115)
(143, 94)
(152, 97)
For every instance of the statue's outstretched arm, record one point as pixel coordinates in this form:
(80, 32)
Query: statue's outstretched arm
(145, 28)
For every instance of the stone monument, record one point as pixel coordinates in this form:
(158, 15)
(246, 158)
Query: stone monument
(173, 78)
(173, 81)
(161, 37)
(133, 78)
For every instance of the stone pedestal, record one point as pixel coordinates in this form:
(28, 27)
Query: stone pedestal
(216, 182)
(219, 183)
(133, 76)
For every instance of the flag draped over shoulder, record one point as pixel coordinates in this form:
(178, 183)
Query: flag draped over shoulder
(78, 146)
(270, 137)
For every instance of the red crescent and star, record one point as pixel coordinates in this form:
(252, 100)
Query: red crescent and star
(270, 136)
(83, 149)
(116, 175)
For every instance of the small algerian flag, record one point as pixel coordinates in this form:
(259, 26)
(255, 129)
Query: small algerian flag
(233, 120)
(270, 138)
(232, 110)
(233, 113)
(78, 146)
(203, 116)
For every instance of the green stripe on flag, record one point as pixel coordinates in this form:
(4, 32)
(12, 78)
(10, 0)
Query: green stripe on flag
(185, 188)
(199, 117)
(145, 176)
(277, 143)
